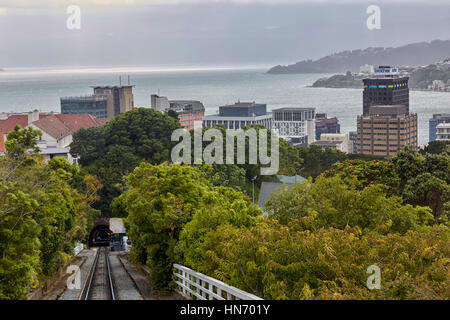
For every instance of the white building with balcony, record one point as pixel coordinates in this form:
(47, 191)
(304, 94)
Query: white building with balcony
(443, 131)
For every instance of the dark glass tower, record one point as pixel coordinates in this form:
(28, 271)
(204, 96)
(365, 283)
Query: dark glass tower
(385, 90)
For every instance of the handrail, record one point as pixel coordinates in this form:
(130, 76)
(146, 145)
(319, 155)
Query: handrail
(192, 284)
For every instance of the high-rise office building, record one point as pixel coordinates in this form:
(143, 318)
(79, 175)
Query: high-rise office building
(120, 99)
(386, 129)
(295, 125)
(385, 87)
(435, 121)
(106, 102)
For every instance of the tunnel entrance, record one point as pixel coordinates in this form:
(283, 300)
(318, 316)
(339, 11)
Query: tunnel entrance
(100, 236)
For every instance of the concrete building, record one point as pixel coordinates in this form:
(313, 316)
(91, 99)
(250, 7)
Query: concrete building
(385, 87)
(337, 141)
(190, 113)
(159, 103)
(386, 129)
(239, 115)
(433, 123)
(106, 102)
(324, 124)
(120, 99)
(96, 106)
(443, 132)
(295, 125)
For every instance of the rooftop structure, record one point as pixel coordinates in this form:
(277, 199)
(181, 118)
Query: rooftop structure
(239, 115)
(385, 87)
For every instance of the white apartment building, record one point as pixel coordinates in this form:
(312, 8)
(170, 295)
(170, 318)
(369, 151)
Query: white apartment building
(443, 131)
(296, 125)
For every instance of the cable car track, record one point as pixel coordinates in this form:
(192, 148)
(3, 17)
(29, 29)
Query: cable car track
(99, 284)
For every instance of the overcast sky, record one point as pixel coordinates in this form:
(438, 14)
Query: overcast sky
(33, 33)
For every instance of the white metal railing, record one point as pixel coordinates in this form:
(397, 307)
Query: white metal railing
(199, 286)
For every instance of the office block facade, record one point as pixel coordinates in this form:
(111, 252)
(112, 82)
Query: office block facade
(385, 87)
(96, 106)
(386, 130)
(295, 125)
(190, 113)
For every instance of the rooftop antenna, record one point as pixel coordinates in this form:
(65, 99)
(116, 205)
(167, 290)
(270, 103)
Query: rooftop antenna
(159, 92)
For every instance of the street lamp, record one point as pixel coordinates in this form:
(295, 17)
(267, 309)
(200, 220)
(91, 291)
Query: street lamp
(253, 188)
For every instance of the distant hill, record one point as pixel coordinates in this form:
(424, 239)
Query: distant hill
(416, 54)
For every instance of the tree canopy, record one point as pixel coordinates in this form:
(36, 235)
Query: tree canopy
(113, 150)
(41, 215)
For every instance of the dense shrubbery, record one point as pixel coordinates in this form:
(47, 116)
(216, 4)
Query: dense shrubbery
(279, 262)
(41, 215)
(165, 201)
(419, 179)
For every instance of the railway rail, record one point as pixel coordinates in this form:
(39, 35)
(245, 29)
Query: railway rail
(99, 283)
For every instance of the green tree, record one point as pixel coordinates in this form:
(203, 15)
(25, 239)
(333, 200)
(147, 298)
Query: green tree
(41, 215)
(316, 160)
(331, 202)
(160, 200)
(166, 203)
(367, 173)
(112, 151)
(274, 261)
(436, 147)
